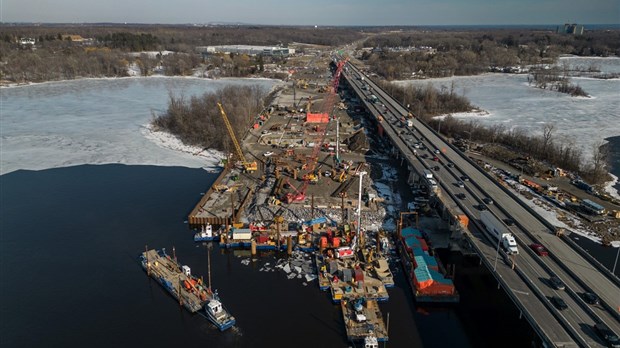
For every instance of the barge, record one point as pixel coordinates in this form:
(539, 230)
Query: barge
(424, 272)
(189, 290)
(176, 279)
(363, 321)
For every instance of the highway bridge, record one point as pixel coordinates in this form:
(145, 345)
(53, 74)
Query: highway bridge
(525, 277)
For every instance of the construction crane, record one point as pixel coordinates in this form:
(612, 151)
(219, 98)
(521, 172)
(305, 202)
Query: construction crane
(328, 107)
(311, 162)
(299, 195)
(247, 166)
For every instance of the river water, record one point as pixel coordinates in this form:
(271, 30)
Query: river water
(70, 234)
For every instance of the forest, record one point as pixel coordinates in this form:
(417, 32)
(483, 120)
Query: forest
(402, 55)
(198, 121)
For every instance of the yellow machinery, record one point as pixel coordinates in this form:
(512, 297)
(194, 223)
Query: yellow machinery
(274, 201)
(247, 166)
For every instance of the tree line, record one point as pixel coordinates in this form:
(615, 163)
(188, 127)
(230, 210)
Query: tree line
(427, 102)
(553, 79)
(197, 120)
(473, 52)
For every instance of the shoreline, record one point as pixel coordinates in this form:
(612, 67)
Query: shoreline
(158, 76)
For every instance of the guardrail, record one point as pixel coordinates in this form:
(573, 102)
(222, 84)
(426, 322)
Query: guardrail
(539, 330)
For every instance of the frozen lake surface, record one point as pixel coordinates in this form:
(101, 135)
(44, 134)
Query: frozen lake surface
(509, 100)
(98, 121)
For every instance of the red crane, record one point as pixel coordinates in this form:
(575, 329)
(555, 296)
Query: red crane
(328, 107)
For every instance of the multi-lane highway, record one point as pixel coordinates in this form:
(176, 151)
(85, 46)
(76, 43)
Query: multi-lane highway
(464, 187)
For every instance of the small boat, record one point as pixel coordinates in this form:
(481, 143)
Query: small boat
(371, 341)
(218, 315)
(206, 234)
(214, 309)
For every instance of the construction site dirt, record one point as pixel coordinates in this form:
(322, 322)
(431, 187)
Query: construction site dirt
(310, 147)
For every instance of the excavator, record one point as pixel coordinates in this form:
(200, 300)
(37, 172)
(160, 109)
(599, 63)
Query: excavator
(248, 167)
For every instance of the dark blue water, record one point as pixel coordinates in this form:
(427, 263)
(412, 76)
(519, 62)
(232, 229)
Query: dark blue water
(69, 239)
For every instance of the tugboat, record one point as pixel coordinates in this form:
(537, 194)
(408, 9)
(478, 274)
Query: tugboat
(206, 234)
(371, 341)
(214, 309)
(218, 315)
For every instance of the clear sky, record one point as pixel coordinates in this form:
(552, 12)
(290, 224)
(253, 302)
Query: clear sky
(315, 12)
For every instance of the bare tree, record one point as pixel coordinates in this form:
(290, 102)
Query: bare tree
(548, 129)
(600, 161)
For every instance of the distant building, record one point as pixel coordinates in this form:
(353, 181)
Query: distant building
(571, 29)
(25, 41)
(247, 49)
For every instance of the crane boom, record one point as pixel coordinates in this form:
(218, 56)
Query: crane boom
(249, 167)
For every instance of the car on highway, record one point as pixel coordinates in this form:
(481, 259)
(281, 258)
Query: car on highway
(424, 155)
(450, 164)
(460, 184)
(482, 207)
(268, 153)
(416, 145)
(590, 298)
(487, 200)
(539, 249)
(436, 168)
(435, 158)
(460, 195)
(557, 283)
(509, 222)
(609, 336)
(559, 303)
(437, 151)
(465, 178)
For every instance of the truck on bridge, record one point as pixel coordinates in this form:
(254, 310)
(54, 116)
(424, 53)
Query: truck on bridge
(499, 232)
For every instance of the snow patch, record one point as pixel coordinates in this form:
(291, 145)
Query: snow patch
(610, 189)
(168, 141)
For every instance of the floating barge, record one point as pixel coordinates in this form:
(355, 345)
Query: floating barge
(176, 279)
(426, 275)
(346, 279)
(363, 320)
(186, 288)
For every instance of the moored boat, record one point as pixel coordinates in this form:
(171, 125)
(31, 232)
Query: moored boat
(207, 234)
(175, 278)
(426, 276)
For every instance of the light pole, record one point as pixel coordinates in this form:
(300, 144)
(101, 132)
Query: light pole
(359, 210)
(616, 262)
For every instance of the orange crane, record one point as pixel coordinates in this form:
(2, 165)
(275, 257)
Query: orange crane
(247, 166)
(328, 107)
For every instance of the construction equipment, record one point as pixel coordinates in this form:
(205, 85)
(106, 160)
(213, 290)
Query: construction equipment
(248, 167)
(299, 195)
(311, 161)
(274, 201)
(311, 177)
(220, 188)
